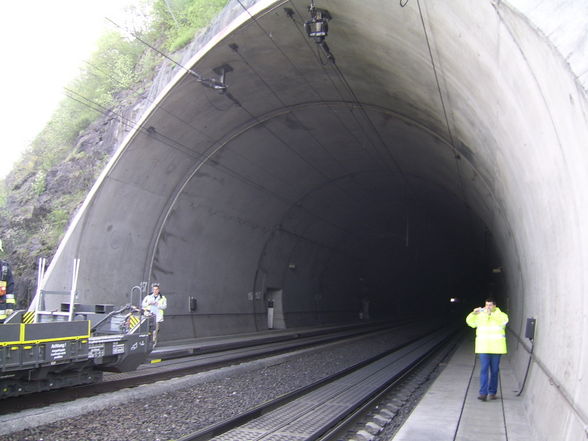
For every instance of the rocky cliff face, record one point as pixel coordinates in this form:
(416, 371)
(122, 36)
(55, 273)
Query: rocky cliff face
(37, 213)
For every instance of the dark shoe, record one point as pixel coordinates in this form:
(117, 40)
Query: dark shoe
(482, 398)
(492, 396)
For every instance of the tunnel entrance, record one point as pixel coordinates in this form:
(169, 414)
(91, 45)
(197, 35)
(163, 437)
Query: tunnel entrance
(438, 143)
(335, 181)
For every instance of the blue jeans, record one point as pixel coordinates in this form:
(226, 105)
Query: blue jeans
(489, 364)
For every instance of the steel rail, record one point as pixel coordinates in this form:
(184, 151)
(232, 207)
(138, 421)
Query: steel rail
(221, 430)
(446, 347)
(194, 361)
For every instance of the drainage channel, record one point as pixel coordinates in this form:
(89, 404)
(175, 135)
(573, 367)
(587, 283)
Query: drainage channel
(310, 416)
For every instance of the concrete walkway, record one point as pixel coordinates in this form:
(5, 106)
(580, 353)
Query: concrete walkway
(442, 414)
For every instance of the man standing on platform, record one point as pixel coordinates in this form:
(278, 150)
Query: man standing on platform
(490, 323)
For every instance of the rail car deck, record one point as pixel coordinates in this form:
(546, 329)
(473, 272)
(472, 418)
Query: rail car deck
(55, 351)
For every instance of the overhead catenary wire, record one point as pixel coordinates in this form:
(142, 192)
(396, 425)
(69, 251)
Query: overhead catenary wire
(289, 60)
(177, 145)
(276, 95)
(407, 193)
(306, 41)
(158, 106)
(208, 82)
(457, 157)
(360, 105)
(407, 186)
(126, 121)
(296, 69)
(346, 85)
(438, 84)
(170, 141)
(192, 72)
(327, 72)
(442, 100)
(355, 100)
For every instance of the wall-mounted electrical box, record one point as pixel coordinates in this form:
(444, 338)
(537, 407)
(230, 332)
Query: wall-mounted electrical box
(192, 303)
(530, 328)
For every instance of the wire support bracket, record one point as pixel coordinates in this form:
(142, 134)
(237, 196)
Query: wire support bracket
(212, 83)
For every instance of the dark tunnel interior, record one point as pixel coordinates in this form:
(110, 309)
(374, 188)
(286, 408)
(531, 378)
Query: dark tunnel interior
(345, 216)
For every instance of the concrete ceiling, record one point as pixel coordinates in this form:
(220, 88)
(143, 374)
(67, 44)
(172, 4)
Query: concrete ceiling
(445, 140)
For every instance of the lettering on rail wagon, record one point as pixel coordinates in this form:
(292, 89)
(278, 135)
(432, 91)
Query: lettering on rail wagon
(57, 351)
(118, 348)
(96, 351)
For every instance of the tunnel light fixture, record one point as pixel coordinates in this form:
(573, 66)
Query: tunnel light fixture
(292, 266)
(317, 28)
(497, 270)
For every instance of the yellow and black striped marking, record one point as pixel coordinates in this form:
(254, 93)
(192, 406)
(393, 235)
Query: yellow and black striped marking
(28, 317)
(133, 321)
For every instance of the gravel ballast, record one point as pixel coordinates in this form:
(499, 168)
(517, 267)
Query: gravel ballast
(171, 409)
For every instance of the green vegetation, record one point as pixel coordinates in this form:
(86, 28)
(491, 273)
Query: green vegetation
(118, 64)
(110, 70)
(177, 21)
(53, 176)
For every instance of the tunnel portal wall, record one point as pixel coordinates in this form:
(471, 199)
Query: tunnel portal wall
(388, 175)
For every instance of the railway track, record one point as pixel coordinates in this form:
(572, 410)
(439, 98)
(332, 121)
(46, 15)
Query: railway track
(383, 415)
(198, 402)
(177, 363)
(327, 410)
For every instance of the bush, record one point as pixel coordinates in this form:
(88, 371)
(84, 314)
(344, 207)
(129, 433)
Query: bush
(179, 20)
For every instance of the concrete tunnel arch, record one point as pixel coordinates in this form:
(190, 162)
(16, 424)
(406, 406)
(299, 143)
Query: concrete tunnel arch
(447, 140)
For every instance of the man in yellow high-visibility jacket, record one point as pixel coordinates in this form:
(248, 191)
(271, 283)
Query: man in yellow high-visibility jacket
(490, 323)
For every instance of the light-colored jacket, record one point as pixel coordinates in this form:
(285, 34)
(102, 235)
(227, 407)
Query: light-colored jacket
(490, 331)
(155, 305)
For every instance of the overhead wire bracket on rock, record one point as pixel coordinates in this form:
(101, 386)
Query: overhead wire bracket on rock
(212, 83)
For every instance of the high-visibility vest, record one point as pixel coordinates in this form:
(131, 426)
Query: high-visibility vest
(490, 331)
(7, 305)
(7, 300)
(155, 305)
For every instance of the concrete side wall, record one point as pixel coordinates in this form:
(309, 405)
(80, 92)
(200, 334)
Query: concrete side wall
(513, 98)
(551, 179)
(564, 23)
